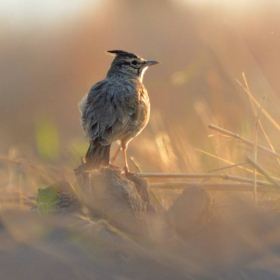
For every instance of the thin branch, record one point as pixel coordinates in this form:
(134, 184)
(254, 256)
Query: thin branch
(264, 111)
(249, 93)
(201, 176)
(245, 141)
(261, 170)
(255, 147)
(224, 160)
(255, 114)
(213, 186)
(136, 164)
(229, 166)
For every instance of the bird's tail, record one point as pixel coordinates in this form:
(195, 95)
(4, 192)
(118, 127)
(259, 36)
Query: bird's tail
(97, 155)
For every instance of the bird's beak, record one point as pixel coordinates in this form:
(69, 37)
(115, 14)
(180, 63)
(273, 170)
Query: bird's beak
(151, 62)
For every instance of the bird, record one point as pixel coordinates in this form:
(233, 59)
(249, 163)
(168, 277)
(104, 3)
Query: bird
(116, 108)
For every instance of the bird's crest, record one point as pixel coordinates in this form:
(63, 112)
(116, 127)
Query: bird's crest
(122, 53)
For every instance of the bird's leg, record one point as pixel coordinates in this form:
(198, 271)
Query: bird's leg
(113, 158)
(124, 147)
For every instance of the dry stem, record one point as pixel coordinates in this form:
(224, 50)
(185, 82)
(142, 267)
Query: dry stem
(255, 149)
(201, 176)
(245, 141)
(261, 170)
(213, 186)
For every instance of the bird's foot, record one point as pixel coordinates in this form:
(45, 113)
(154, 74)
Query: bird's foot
(127, 173)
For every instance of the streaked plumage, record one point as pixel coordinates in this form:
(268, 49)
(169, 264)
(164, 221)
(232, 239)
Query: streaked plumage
(116, 108)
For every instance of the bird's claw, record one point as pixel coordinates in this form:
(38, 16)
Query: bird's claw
(128, 174)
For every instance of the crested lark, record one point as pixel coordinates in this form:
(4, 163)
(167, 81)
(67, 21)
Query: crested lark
(116, 108)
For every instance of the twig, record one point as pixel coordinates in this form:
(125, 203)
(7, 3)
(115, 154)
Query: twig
(213, 186)
(229, 166)
(201, 176)
(247, 90)
(264, 111)
(224, 160)
(255, 149)
(261, 170)
(136, 164)
(245, 141)
(152, 192)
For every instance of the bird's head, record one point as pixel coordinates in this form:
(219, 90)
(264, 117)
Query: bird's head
(129, 64)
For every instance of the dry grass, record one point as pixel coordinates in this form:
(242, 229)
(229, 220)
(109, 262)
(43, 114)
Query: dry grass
(239, 241)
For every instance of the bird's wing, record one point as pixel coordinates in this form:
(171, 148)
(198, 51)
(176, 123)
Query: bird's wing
(110, 110)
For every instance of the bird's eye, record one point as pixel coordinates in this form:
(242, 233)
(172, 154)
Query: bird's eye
(134, 62)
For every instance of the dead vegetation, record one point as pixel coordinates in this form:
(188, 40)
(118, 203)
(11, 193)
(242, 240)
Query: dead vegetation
(222, 223)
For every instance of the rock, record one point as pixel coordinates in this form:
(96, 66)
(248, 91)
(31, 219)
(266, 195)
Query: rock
(190, 211)
(124, 202)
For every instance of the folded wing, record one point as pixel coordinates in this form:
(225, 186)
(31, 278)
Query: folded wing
(109, 110)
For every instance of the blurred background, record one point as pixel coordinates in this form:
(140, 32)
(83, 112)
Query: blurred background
(218, 59)
(52, 52)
